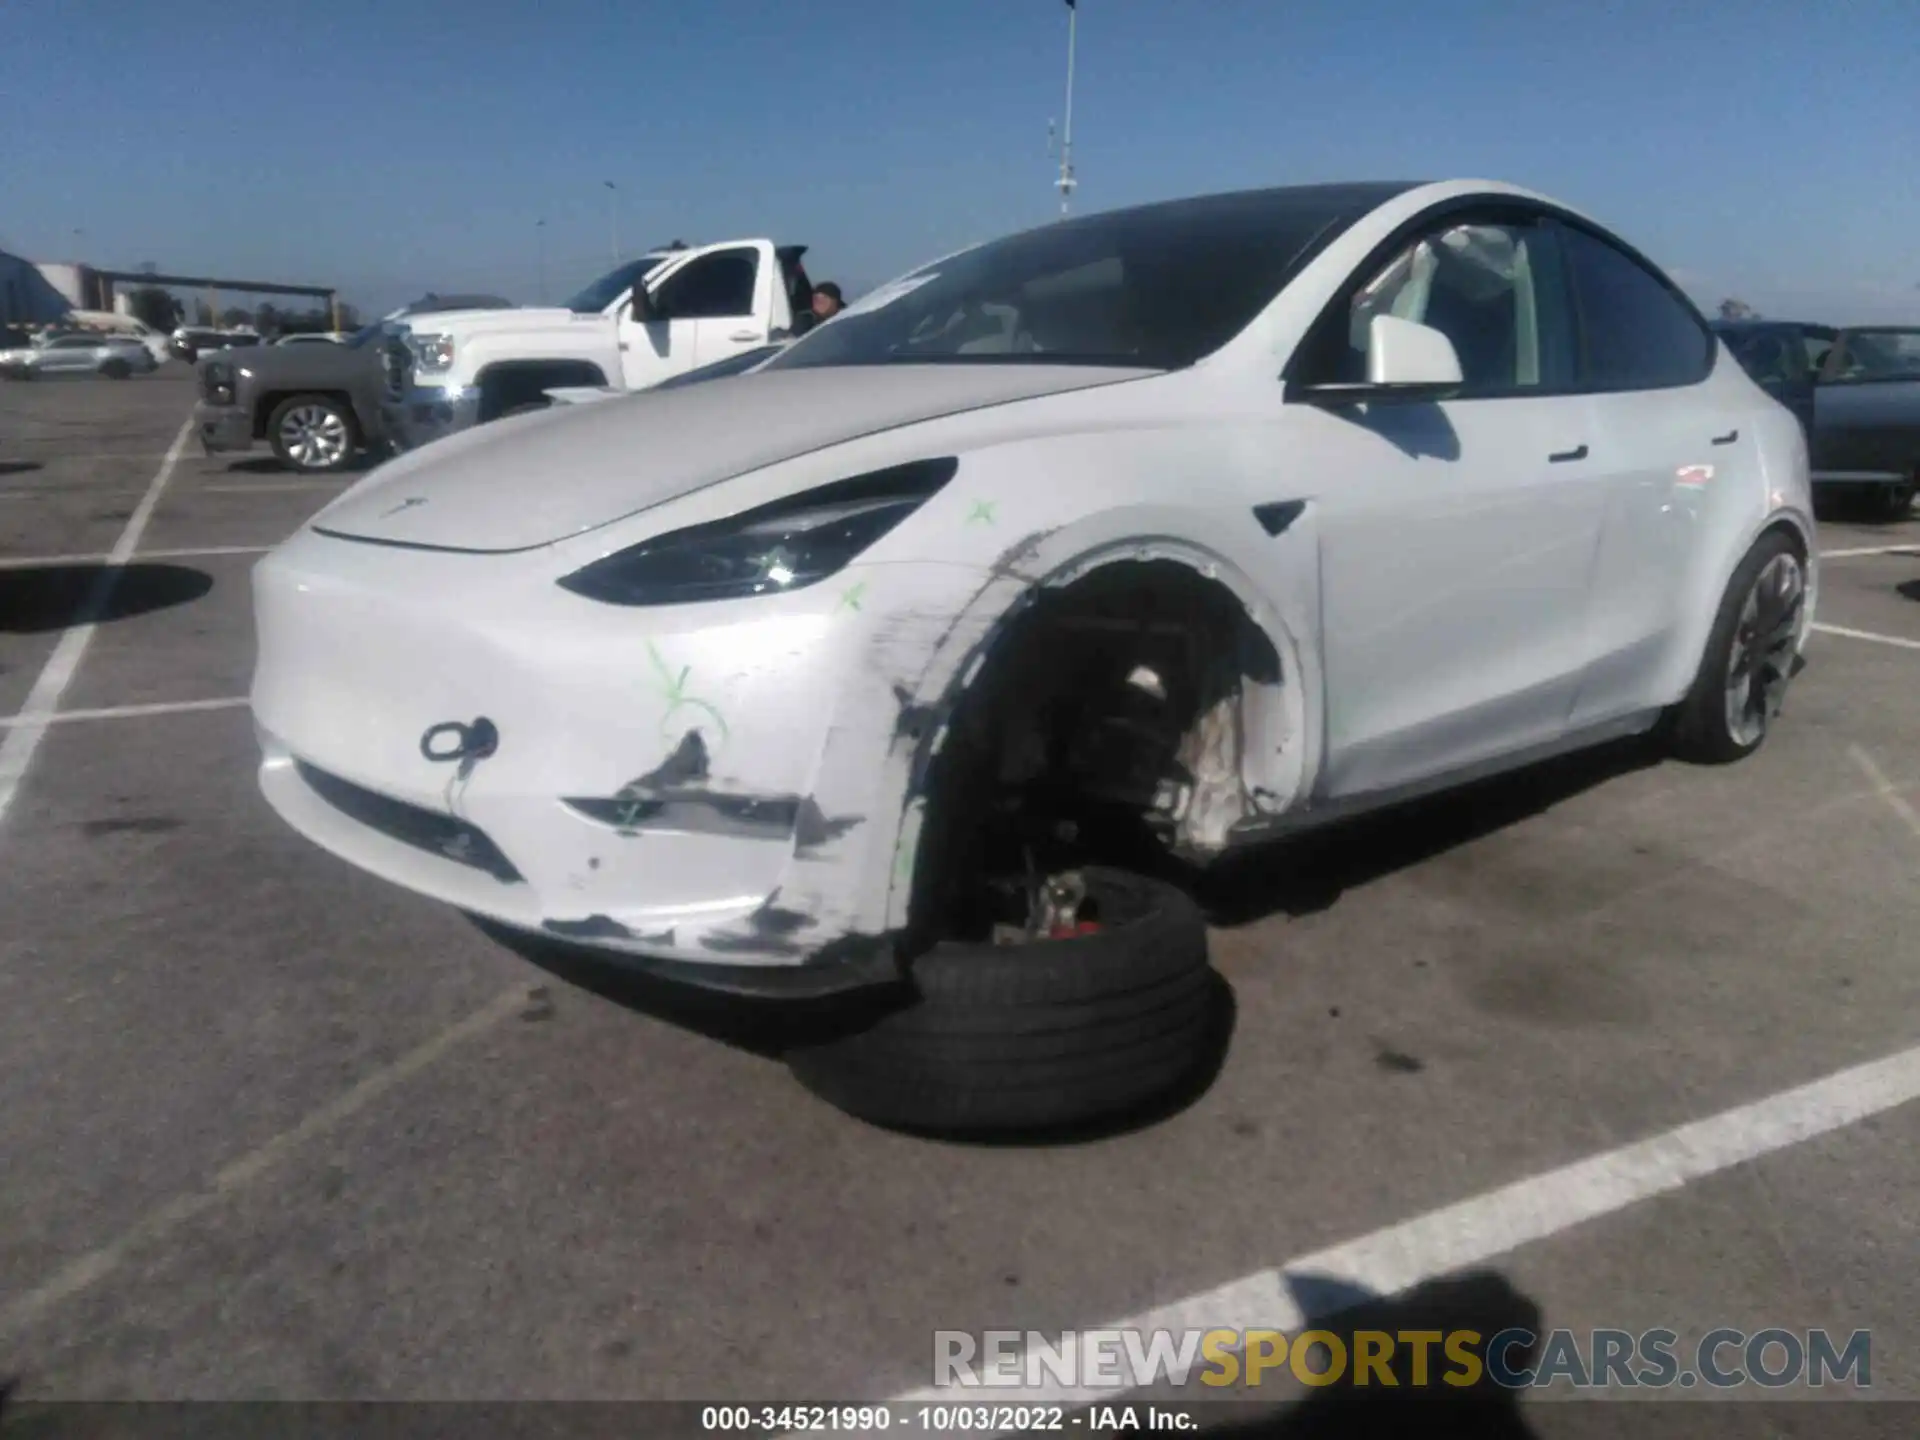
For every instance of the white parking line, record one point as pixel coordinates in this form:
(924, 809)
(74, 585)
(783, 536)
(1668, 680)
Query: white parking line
(1477, 1230)
(1910, 548)
(85, 1271)
(1885, 788)
(1879, 639)
(16, 749)
(120, 712)
(28, 562)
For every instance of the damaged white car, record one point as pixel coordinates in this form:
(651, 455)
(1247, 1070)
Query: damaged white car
(1206, 521)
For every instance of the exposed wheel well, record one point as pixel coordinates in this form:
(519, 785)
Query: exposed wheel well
(1128, 716)
(1791, 531)
(512, 383)
(265, 406)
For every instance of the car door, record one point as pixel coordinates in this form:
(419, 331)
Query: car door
(1662, 437)
(1457, 537)
(70, 353)
(708, 307)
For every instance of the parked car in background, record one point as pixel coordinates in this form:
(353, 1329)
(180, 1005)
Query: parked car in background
(115, 356)
(113, 323)
(643, 322)
(1856, 391)
(315, 405)
(1191, 525)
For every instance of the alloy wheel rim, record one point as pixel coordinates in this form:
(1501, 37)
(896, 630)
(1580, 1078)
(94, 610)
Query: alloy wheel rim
(314, 435)
(1765, 640)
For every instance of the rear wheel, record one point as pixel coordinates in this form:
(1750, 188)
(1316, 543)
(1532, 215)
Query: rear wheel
(311, 433)
(116, 369)
(1893, 503)
(1109, 1009)
(1749, 659)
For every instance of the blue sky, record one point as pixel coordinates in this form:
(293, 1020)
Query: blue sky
(1762, 148)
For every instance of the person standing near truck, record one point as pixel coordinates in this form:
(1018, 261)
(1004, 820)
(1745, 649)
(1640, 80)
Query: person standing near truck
(827, 303)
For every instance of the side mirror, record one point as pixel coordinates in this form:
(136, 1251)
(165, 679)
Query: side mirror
(642, 306)
(1405, 356)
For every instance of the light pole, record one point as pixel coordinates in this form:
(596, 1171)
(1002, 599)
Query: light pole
(613, 219)
(540, 242)
(1066, 182)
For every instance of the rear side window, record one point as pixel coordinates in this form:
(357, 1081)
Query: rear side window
(1636, 333)
(712, 287)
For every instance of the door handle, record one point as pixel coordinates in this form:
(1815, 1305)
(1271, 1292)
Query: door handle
(745, 336)
(1726, 439)
(1579, 452)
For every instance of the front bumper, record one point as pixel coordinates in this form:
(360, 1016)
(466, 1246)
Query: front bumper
(706, 786)
(426, 413)
(222, 428)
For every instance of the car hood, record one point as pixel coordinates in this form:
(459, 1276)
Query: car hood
(539, 479)
(303, 363)
(519, 317)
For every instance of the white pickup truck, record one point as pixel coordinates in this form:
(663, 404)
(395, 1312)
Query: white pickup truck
(666, 313)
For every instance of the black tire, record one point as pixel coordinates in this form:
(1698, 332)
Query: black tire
(1037, 1036)
(116, 370)
(289, 452)
(1893, 503)
(527, 407)
(1699, 727)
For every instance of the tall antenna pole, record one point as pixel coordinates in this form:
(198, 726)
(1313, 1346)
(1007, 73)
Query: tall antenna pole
(1066, 181)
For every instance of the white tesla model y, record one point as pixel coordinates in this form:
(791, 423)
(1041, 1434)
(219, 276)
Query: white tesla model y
(1203, 522)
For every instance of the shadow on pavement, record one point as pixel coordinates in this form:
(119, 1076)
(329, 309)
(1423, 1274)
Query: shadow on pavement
(267, 465)
(1909, 588)
(39, 598)
(1482, 1302)
(1308, 874)
(18, 467)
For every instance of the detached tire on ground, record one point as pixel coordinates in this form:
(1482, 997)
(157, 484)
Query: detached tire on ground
(1044, 1034)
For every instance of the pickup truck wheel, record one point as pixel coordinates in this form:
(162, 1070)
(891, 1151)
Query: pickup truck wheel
(311, 433)
(1751, 655)
(1041, 1033)
(116, 370)
(1894, 502)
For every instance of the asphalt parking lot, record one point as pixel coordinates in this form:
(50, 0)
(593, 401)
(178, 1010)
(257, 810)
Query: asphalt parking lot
(272, 1127)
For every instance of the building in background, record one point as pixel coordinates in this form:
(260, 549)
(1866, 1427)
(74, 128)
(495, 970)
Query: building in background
(40, 294)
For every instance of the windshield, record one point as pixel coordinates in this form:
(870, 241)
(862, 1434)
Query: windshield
(610, 286)
(1156, 287)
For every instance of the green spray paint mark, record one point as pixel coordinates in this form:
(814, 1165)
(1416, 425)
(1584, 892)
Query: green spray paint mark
(850, 597)
(674, 687)
(982, 512)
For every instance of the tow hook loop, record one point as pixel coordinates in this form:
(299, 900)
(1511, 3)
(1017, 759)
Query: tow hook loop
(450, 740)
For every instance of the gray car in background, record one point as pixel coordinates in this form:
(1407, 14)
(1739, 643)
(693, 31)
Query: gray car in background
(316, 406)
(115, 356)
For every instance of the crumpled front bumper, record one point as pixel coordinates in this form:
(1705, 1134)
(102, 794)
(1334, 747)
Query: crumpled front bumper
(705, 785)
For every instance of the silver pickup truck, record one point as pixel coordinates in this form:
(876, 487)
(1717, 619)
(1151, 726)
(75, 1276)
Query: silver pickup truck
(1857, 393)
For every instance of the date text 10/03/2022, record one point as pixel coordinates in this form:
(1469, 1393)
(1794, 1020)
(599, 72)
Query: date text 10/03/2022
(941, 1419)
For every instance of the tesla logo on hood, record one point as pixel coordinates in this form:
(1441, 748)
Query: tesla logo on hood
(406, 504)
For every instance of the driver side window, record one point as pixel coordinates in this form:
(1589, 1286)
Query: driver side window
(1496, 291)
(713, 287)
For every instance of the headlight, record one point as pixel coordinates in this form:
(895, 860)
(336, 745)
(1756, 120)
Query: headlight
(431, 352)
(786, 545)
